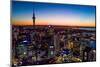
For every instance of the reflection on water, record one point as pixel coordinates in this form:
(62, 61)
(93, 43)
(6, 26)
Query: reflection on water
(88, 29)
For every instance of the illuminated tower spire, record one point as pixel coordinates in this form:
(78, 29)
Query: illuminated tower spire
(33, 18)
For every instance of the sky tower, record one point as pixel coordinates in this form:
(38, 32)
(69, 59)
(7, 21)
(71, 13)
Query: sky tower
(33, 18)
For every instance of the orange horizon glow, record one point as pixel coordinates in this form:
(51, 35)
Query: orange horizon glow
(83, 24)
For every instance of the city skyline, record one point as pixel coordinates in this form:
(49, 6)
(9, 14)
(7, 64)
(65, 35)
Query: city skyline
(51, 33)
(52, 14)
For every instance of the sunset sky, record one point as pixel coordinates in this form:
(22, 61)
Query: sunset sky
(52, 14)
